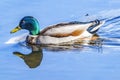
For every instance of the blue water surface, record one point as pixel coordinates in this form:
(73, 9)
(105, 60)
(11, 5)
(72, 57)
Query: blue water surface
(83, 63)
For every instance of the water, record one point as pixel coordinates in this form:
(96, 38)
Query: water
(98, 62)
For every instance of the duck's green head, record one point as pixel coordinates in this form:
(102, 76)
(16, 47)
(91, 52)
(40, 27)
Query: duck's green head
(29, 23)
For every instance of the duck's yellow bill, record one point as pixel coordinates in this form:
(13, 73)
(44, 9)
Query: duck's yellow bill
(18, 54)
(15, 29)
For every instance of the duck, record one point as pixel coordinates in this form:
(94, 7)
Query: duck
(59, 34)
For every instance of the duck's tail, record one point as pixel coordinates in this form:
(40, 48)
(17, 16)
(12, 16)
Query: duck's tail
(95, 27)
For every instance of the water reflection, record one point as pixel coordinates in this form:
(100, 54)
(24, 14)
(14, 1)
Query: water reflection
(32, 59)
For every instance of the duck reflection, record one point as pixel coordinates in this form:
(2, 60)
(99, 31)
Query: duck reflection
(32, 59)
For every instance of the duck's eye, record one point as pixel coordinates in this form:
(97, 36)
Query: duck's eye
(23, 22)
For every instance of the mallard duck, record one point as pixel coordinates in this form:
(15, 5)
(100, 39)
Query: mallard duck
(63, 33)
